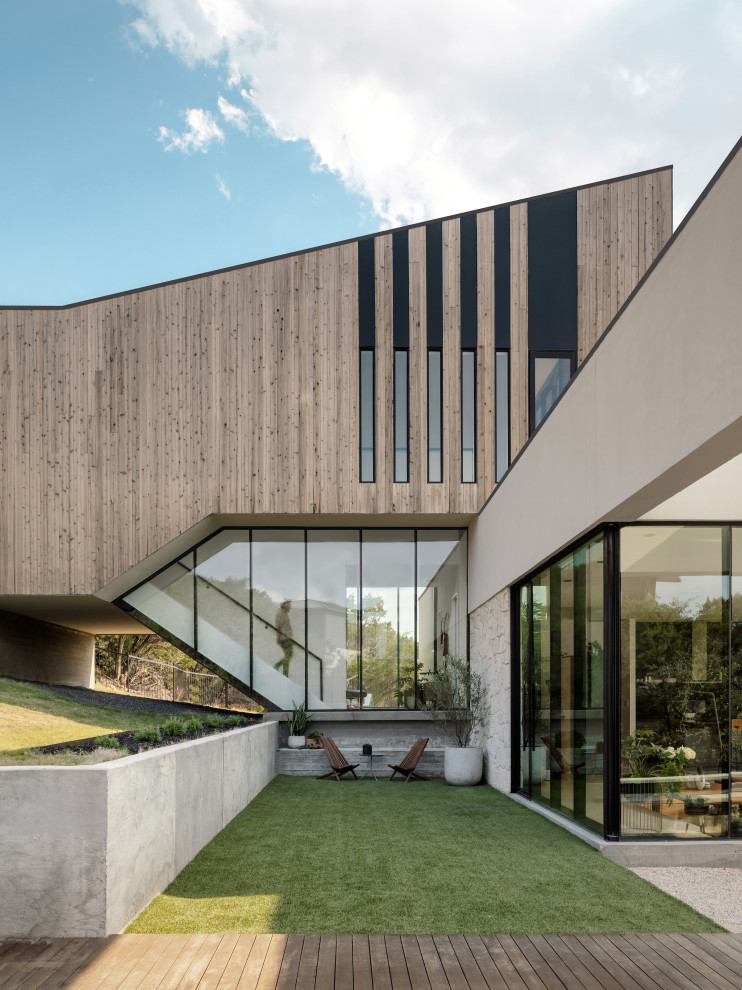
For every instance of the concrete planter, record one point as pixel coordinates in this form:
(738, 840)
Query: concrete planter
(84, 849)
(462, 765)
(296, 742)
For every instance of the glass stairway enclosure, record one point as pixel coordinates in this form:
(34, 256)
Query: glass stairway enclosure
(332, 619)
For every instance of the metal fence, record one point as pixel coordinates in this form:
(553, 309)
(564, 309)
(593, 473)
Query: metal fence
(166, 682)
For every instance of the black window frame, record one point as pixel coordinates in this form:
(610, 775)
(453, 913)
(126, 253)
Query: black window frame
(406, 352)
(438, 351)
(473, 352)
(372, 479)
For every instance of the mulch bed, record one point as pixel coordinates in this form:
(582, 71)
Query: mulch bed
(133, 745)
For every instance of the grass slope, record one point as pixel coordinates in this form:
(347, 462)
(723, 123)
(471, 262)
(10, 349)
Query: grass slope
(31, 715)
(360, 856)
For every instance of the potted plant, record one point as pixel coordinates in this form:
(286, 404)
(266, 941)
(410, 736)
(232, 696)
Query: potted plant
(735, 822)
(313, 740)
(297, 723)
(456, 699)
(695, 806)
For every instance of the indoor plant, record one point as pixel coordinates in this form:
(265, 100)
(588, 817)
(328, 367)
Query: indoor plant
(297, 723)
(456, 699)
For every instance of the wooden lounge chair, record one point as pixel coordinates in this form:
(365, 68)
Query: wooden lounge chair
(337, 761)
(408, 764)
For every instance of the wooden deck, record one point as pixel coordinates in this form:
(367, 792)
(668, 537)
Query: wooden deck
(374, 962)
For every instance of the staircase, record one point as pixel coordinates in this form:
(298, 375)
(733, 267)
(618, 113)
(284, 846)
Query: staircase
(211, 624)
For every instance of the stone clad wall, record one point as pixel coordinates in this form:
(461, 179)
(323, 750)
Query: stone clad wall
(84, 849)
(489, 651)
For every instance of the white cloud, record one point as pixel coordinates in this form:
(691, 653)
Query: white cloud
(221, 186)
(233, 115)
(202, 129)
(427, 108)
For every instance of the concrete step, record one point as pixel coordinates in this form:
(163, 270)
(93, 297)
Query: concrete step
(313, 762)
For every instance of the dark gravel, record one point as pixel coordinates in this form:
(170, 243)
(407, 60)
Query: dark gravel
(134, 703)
(128, 741)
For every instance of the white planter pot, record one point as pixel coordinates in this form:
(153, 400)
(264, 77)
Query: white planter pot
(296, 742)
(462, 766)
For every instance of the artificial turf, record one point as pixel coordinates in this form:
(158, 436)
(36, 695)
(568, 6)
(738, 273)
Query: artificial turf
(364, 856)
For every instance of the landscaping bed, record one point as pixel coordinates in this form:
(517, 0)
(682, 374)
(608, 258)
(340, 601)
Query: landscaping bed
(139, 741)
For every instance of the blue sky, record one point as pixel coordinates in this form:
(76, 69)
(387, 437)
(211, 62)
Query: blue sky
(146, 140)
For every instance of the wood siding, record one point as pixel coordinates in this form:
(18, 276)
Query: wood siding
(125, 421)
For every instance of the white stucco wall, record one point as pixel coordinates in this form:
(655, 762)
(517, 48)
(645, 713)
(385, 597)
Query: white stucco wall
(84, 849)
(656, 406)
(489, 651)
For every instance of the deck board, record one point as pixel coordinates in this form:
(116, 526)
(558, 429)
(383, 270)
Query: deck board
(374, 962)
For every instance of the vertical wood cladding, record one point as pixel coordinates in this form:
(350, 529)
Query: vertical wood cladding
(621, 228)
(125, 421)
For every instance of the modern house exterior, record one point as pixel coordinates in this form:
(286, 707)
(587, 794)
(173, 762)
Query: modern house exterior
(512, 434)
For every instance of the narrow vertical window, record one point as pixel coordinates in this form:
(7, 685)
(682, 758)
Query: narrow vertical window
(468, 293)
(367, 341)
(502, 413)
(502, 341)
(434, 306)
(435, 416)
(367, 414)
(468, 424)
(401, 416)
(401, 337)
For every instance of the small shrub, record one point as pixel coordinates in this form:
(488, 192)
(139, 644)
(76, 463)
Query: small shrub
(174, 727)
(234, 720)
(151, 734)
(107, 742)
(214, 721)
(194, 725)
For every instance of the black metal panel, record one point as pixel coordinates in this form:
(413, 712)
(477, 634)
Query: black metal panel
(516, 711)
(552, 272)
(434, 281)
(401, 288)
(611, 685)
(366, 293)
(468, 281)
(502, 278)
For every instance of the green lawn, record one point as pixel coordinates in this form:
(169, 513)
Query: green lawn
(31, 715)
(360, 856)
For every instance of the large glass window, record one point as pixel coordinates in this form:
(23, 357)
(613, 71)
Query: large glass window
(562, 685)
(278, 616)
(441, 610)
(165, 602)
(223, 594)
(550, 375)
(333, 618)
(387, 620)
(333, 596)
(735, 692)
(674, 681)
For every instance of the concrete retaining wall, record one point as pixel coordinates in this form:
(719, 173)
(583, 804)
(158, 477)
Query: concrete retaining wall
(313, 762)
(84, 849)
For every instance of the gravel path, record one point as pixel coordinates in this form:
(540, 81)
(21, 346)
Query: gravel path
(713, 890)
(131, 702)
